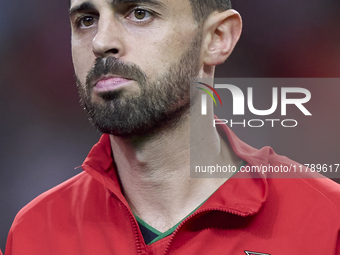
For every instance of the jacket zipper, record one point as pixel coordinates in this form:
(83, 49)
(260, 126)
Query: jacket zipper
(135, 228)
(135, 232)
(167, 249)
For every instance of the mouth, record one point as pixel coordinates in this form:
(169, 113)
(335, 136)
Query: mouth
(110, 83)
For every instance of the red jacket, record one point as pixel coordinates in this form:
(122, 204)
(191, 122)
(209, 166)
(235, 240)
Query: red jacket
(89, 215)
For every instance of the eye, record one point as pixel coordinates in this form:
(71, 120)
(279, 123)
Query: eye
(88, 21)
(85, 21)
(140, 15)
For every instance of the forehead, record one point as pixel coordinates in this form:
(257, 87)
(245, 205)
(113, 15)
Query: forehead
(183, 6)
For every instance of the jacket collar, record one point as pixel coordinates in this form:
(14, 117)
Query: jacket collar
(101, 166)
(243, 194)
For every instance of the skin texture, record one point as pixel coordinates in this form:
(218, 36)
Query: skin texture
(153, 159)
(157, 104)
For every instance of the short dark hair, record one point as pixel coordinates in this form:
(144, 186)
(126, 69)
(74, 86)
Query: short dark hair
(203, 8)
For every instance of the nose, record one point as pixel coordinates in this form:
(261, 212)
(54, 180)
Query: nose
(108, 40)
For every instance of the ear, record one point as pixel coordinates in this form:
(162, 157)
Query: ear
(221, 32)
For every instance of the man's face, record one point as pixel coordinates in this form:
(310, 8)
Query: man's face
(133, 62)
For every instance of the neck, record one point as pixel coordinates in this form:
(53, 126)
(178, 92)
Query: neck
(155, 170)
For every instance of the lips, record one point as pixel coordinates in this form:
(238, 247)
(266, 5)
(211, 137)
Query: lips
(106, 84)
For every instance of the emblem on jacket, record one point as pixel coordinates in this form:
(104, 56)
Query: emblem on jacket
(255, 253)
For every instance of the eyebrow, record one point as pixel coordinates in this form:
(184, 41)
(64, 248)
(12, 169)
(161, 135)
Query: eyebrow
(115, 3)
(88, 6)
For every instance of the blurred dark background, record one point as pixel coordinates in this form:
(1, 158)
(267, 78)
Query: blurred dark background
(45, 133)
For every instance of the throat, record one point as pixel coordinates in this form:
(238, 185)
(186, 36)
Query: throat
(155, 174)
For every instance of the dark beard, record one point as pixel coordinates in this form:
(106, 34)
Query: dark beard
(160, 103)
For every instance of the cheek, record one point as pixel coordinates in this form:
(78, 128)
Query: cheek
(156, 53)
(82, 57)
